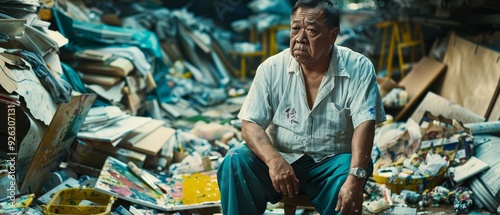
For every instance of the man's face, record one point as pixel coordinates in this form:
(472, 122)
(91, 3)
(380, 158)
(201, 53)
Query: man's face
(310, 38)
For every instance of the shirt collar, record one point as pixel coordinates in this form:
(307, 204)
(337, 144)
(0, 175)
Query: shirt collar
(336, 68)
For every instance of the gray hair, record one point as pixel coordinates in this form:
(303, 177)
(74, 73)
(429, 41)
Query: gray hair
(331, 12)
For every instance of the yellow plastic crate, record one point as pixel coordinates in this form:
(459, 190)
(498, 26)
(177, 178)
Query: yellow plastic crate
(69, 201)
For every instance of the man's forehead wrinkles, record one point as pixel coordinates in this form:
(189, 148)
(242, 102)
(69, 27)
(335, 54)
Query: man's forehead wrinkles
(312, 22)
(308, 17)
(307, 21)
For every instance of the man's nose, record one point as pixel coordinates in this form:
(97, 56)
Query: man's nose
(301, 37)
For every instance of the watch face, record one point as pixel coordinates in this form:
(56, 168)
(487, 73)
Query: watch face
(361, 173)
(358, 172)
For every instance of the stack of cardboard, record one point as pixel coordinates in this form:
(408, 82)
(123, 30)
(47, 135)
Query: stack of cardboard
(108, 131)
(114, 78)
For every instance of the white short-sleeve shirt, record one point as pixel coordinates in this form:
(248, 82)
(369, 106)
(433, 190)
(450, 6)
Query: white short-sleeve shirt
(348, 95)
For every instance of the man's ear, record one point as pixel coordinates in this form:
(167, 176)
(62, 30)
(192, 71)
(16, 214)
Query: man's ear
(334, 33)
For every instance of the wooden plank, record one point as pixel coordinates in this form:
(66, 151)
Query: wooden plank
(416, 83)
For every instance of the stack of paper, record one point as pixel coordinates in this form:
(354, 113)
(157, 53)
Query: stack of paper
(19, 7)
(110, 126)
(100, 117)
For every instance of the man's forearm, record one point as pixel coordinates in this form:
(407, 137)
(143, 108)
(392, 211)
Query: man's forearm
(362, 144)
(259, 142)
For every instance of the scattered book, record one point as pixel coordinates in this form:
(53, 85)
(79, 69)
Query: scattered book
(472, 167)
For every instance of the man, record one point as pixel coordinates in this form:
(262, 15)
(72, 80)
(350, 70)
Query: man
(319, 105)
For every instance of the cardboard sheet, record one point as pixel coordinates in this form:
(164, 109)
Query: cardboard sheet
(57, 140)
(472, 75)
(139, 133)
(29, 144)
(6, 78)
(438, 105)
(425, 72)
(153, 142)
(495, 111)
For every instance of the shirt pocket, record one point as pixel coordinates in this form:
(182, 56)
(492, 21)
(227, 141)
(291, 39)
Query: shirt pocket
(338, 122)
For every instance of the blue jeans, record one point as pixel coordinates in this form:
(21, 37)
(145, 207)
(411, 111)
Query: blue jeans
(246, 187)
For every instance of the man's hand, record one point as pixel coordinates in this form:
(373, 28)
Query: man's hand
(283, 177)
(280, 171)
(350, 199)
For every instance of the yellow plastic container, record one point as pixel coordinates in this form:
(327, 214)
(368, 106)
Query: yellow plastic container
(79, 201)
(396, 184)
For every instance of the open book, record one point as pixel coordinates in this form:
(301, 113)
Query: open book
(180, 192)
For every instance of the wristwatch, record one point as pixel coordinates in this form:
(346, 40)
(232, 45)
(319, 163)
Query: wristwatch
(358, 172)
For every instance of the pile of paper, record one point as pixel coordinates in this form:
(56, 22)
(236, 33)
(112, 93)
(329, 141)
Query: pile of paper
(109, 124)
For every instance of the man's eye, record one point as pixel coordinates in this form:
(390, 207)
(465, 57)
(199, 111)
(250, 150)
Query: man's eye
(295, 28)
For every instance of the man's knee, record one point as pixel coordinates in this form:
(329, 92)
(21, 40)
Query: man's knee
(240, 151)
(239, 156)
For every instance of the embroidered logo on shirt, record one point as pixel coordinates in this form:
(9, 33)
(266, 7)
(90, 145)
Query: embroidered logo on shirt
(372, 112)
(291, 114)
